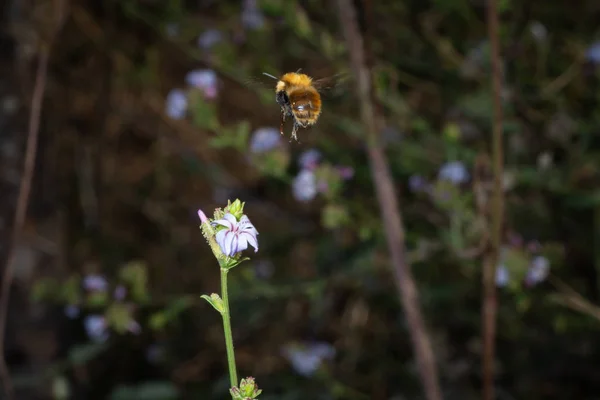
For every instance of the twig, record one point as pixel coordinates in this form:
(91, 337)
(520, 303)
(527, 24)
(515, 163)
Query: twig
(392, 217)
(489, 304)
(24, 191)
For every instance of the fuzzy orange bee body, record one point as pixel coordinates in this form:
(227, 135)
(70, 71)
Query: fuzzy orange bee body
(298, 98)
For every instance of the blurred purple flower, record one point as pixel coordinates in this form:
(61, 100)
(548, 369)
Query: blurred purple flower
(120, 293)
(95, 283)
(237, 235)
(304, 186)
(502, 276)
(322, 186)
(72, 311)
(309, 159)
(264, 139)
(134, 327)
(416, 183)
(252, 17)
(176, 104)
(209, 38)
(455, 172)
(346, 172)
(96, 327)
(593, 53)
(538, 271)
(205, 80)
(306, 358)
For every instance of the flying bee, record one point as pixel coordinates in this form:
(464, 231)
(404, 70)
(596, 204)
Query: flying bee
(299, 98)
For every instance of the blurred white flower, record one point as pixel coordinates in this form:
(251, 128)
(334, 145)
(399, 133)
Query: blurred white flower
(593, 53)
(306, 358)
(544, 160)
(252, 17)
(95, 283)
(209, 38)
(538, 271)
(96, 327)
(304, 187)
(502, 276)
(204, 79)
(264, 139)
(177, 103)
(455, 172)
(309, 159)
(538, 31)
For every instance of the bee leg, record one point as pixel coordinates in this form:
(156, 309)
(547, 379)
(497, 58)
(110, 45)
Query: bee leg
(294, 131)
(282, 120)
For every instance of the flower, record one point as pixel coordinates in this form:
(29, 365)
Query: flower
(454, 171)
(252, 17)
(538, 271)
(202, 216)
(502, 276)
(264, 139)
(237, 235)
(120, 293)
(205, 80)
(96, 327)
(345, 172)
(304, 186)
(176, 104)
(209, 38)
(306, 358)
(95, 283)
(593, 53)
(416, 183)
(72, 311)
(309, 159)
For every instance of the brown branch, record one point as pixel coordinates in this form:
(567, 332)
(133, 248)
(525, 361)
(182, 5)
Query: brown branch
(489, 304)
(24, 190)
(386, 196)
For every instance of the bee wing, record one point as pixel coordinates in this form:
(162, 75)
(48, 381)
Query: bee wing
(259, 82)
(333, 84)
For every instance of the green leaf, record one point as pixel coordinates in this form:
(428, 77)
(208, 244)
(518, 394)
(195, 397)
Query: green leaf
(215, 301)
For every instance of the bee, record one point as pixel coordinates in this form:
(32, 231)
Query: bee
(299, 98)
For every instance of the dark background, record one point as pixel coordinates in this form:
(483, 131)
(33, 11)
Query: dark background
(117, 184)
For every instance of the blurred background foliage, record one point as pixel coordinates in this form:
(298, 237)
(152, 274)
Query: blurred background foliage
(154, 108)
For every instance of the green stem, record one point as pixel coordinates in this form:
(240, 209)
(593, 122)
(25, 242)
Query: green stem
(227, 328)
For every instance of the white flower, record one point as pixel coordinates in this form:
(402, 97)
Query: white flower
(502, 276)
(306, 358)
(264, 139)
(95, 283)
(304, 186)
(209, 38)
(96, 327)
(309, 159)
(593, 53)
(177, 103)
(205, 80)
(538, 271)
(454, 171)
(236, 236)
